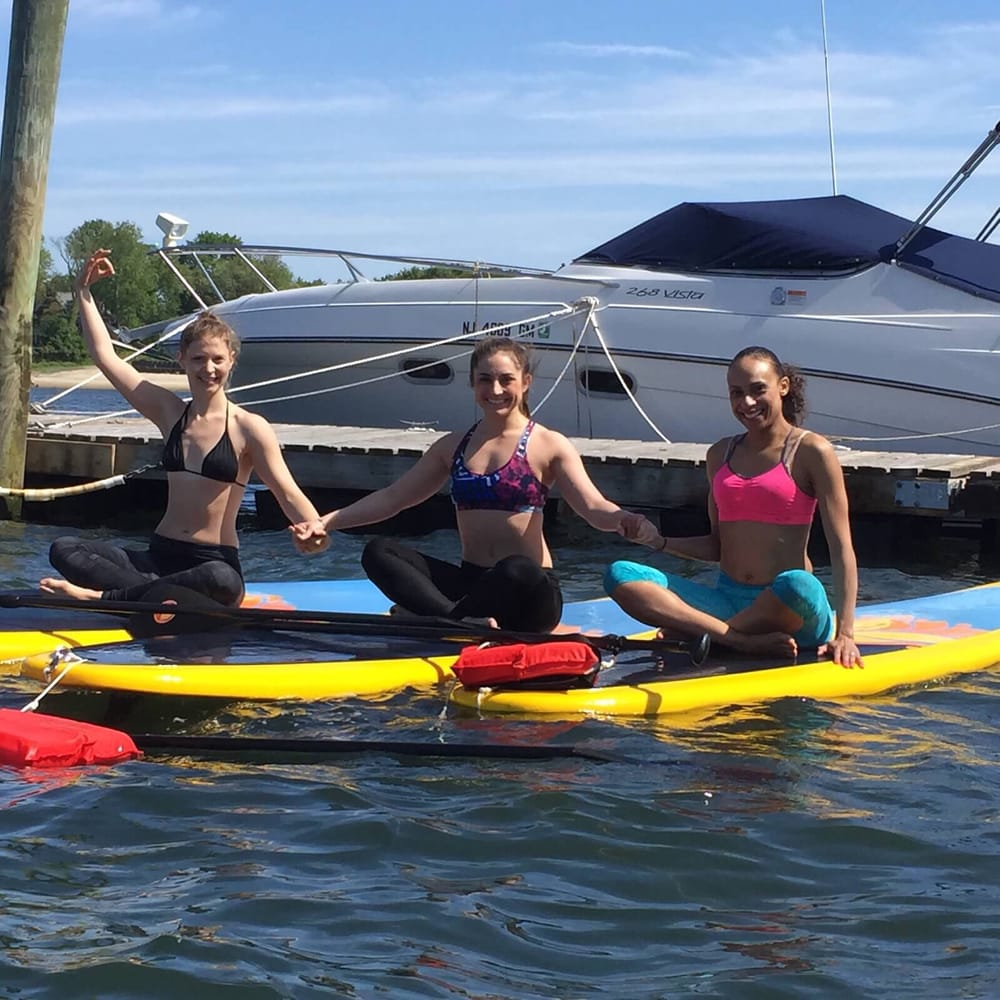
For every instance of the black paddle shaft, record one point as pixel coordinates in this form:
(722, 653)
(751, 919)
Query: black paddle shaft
(429, 629)
(272, 747)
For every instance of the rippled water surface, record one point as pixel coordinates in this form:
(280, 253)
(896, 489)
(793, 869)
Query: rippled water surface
(796, 850)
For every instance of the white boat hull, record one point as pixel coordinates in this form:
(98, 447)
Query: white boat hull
(893, 361)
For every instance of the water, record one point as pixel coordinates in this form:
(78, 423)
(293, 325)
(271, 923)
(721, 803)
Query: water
(791, 850)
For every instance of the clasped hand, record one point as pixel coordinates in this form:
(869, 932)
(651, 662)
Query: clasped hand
(310, 537)
(638, 528)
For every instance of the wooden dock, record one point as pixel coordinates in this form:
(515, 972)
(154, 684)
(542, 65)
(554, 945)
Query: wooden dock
(897, 489)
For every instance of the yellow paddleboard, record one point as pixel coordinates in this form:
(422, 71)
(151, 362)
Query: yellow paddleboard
(27, 631)
(905, 642)
(747, 682)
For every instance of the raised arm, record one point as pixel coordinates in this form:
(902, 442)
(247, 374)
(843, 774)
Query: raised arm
(828, 483)
(152, 401)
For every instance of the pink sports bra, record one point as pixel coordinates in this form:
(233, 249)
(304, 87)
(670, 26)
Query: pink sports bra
(773, 497)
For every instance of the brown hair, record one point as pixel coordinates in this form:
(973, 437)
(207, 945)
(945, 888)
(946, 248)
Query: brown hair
(793, 404)
(489, 346)
(208, 326)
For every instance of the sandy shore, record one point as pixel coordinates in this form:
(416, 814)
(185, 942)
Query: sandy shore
(68, 377)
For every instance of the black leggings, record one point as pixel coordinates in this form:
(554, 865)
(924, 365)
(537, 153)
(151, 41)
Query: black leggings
(517, 592)
(127, 574)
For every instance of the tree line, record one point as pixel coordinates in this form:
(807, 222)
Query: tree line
(144, 291)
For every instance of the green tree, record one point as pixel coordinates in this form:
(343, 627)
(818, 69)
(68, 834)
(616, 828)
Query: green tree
(418, 271)
(54, 333)
(230, 275)
(131, 298)
(427, 271)
(55, 336)
(44, 274)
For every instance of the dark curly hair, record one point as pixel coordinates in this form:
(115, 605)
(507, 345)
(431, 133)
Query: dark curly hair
(793, 404)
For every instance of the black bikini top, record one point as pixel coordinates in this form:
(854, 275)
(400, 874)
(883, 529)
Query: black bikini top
(220, 464)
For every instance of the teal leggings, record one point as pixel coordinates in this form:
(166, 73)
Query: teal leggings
(796, 588)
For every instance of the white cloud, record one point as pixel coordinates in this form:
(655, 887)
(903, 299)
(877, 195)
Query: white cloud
(135, 10)
(614, 50)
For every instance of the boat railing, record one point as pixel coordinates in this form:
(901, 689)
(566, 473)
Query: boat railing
(964, 172)
(245, 253)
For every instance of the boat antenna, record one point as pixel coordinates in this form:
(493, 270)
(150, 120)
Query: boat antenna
(829, 99)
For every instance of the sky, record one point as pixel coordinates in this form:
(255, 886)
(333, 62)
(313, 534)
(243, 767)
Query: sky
(521, 133)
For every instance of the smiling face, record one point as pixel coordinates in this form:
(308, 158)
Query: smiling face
(208, 362)
(500, 384)
(756, 392)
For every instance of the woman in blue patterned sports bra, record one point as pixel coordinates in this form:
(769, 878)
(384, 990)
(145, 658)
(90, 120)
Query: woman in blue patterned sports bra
(501, 471)
(211, 448)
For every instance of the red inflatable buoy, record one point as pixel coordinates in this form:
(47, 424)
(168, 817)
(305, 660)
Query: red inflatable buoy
(28, 739)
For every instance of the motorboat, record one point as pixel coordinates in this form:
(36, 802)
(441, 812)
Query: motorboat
(894, 324)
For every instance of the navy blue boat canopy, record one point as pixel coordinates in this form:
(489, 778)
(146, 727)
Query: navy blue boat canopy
(835, 233)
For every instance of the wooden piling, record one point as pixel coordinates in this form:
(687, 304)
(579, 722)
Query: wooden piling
(36, 38)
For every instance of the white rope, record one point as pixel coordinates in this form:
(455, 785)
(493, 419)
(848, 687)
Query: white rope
(557, 314)
(916, 437)
(592, 305)
(566, 311)
(348, 385)
(43, 495)
(61, 655)
(170, 332)
(628, 392)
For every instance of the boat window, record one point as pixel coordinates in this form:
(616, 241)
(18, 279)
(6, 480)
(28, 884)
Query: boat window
(605, 381)
(427, 370)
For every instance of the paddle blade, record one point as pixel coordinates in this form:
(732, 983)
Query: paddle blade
(146, 624)
(700, 648)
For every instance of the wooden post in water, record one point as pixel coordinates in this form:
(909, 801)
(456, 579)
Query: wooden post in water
(36, 38)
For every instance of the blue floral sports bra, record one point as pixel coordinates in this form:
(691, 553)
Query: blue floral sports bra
(513, 487)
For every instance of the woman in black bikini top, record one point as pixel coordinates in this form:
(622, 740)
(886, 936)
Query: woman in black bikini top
(195, 544)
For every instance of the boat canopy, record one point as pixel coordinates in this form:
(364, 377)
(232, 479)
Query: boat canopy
(835, 233)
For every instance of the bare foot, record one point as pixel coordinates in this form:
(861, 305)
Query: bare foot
(762, 644)
(398, 611)
(482, 622)
(53, 585)
(670, 633)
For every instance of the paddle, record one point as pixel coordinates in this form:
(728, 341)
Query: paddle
(429, 629)
(213, 747)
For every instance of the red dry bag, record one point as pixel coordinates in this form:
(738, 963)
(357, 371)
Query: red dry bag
(539, 666)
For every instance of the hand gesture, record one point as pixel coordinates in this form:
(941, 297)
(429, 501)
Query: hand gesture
(638, 528)
(98, 265)
(309, 537)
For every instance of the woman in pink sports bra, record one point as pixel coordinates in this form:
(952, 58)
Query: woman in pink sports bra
(764, 487)
(501, 470)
